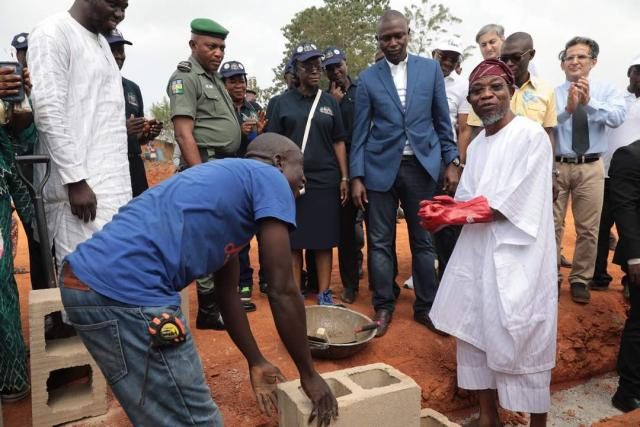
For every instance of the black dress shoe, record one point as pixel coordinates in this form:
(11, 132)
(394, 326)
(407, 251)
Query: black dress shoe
(426, 321)
(624, 403)
(396, 290)
(210, 320)
(349, 295)
(580, 293)
(384, 317)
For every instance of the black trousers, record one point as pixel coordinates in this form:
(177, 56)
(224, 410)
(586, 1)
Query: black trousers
(600, 275)
(350, 247)
(629, 356)
(138, 174)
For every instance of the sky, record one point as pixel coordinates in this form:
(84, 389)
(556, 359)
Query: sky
(160, 32)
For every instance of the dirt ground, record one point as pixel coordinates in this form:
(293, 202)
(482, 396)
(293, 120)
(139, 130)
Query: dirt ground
(588, 340)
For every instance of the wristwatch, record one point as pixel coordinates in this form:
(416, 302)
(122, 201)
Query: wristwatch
(456, 162)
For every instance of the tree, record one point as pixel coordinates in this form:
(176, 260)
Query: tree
(348, 24)
(428, 22)
(161, 111)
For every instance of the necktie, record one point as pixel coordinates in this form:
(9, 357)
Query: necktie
(580, 133)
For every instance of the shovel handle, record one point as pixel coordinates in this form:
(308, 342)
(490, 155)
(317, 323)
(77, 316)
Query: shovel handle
(368, 327)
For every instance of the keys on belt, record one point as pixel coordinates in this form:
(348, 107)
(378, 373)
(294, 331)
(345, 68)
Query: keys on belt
(587, 158)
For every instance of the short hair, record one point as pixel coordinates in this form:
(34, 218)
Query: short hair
(520, 37)
(490, 28)
(388, 15)
(593, 46)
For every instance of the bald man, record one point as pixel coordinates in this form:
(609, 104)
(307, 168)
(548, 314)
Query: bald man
(191, 225)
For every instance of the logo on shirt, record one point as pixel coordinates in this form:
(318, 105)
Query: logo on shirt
(177, 87)
(230, 250)
(132, 99)
(326, 110)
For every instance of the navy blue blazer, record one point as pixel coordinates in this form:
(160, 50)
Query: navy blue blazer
(382, 126)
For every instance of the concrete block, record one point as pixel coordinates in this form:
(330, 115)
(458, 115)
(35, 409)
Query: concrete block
(70, 402)
(431, 418)
(372, 395)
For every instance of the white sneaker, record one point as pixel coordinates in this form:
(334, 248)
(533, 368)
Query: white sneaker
(408, 284)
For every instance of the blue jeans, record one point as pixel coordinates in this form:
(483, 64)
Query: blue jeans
(116, 335)
(412, 185)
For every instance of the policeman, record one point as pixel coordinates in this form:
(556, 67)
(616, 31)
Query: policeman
(137, 133)
(343, 89)
(21, 44)
(205, 124)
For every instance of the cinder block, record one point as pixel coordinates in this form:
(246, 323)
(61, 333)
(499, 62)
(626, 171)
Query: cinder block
(372, 395)
(73, 401)
(431, 418)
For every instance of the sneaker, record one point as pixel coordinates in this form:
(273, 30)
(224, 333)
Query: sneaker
(408, 284)
(325, 298)
(245, 293)
(13, 395)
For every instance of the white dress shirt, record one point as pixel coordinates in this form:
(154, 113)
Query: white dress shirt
(457, 89)
(399, 75)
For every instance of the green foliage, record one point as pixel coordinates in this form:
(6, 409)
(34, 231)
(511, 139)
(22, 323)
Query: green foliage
(348, 24)
(161, 111)
(429, 24)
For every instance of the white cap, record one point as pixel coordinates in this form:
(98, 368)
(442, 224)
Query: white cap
(635, 61)
(451, 46)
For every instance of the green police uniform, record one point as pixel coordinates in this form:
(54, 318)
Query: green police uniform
(200, 95)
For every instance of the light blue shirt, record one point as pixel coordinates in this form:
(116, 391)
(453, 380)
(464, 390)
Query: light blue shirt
(605, 108)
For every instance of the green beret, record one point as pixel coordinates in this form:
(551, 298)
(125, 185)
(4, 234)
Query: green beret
(208, 27)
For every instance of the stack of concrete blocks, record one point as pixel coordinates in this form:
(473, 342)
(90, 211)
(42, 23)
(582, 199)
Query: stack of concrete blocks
(72, 401)
(372, 395)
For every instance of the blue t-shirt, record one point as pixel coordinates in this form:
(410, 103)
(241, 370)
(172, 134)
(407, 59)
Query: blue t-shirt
(183, 229)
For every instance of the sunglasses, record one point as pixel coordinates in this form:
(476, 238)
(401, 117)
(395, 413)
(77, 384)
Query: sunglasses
(514, 57)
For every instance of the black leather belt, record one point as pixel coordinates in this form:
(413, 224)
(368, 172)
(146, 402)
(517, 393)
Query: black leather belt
(587, 158)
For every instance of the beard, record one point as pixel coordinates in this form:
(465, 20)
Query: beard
(494, 118)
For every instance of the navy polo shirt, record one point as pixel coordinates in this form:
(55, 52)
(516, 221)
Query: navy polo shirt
(288, 117)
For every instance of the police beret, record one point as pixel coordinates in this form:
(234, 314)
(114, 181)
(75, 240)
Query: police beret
(20, 41)
(304, 52)
(333, 55)
(208, 27)
(116, 37)
(232, 68)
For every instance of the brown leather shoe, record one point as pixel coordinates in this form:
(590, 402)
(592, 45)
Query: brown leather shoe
(384, 317)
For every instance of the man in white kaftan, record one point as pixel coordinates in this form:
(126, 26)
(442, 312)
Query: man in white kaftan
(80, 115)
(498, 296)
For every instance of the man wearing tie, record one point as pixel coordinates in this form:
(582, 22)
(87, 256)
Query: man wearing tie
(585, 107)
(402, 135)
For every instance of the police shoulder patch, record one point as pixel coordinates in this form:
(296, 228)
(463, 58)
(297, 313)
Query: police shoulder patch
(184, 66)
(177, 87)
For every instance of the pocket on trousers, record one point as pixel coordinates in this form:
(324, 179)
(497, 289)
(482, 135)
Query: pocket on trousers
(103, 342)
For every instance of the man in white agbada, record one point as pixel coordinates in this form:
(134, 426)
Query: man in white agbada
(79, 111)
(498, 296)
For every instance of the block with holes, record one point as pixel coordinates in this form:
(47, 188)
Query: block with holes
(372, 395)
(66, 383)
(431, 418)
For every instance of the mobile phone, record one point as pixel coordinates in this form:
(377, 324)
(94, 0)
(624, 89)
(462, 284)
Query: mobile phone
(18, 97)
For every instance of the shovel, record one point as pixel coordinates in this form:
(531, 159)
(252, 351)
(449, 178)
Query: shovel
(322, 337)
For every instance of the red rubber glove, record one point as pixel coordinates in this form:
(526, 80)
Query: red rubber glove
(444, 200)
(437, 215)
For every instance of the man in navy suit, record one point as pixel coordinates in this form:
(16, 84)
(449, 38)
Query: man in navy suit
(402, 137)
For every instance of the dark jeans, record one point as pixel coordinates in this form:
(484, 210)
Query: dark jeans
(412, 185)
(117, 337)
(629, 356)
(600, 275)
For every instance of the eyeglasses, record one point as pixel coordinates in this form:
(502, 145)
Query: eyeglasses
(580, 58)
(514, 57)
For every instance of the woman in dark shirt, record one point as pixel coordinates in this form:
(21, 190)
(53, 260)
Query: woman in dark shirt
(325, 164)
